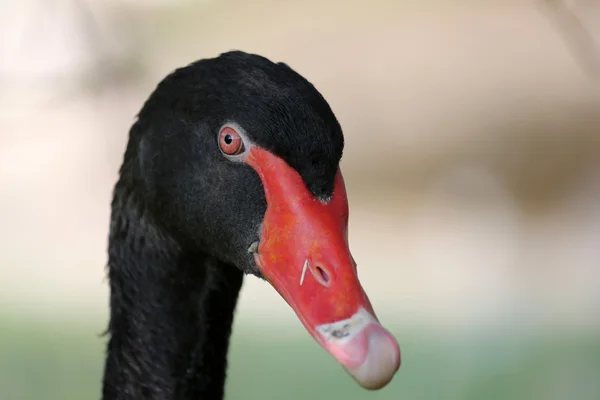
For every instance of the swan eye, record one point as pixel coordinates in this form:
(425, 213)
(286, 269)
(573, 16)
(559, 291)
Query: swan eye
(230, 142)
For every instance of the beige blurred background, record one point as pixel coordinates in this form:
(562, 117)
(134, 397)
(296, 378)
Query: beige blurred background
(472, 147)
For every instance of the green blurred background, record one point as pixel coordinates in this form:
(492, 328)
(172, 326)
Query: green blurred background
(472, 164)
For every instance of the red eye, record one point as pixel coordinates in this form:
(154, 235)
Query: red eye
(230, 142)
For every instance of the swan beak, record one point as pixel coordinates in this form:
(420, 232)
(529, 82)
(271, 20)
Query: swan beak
(304, 254)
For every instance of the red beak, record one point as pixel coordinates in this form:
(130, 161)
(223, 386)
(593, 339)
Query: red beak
(304, 255)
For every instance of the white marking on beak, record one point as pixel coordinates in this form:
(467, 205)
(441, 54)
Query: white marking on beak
(253, 247)
(344, 330)
(303, 272)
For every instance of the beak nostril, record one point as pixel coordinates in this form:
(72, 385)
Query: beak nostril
(322, 276)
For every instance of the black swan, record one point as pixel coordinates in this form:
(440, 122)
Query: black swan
(231, 168)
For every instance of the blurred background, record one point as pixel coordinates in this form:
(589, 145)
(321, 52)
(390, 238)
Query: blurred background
(472, 164)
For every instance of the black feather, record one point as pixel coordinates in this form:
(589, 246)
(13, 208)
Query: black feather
(183, 218)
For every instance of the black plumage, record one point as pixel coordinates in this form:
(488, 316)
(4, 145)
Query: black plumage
(183, 217)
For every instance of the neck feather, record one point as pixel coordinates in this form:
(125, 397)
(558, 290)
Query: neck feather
(171, 312)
